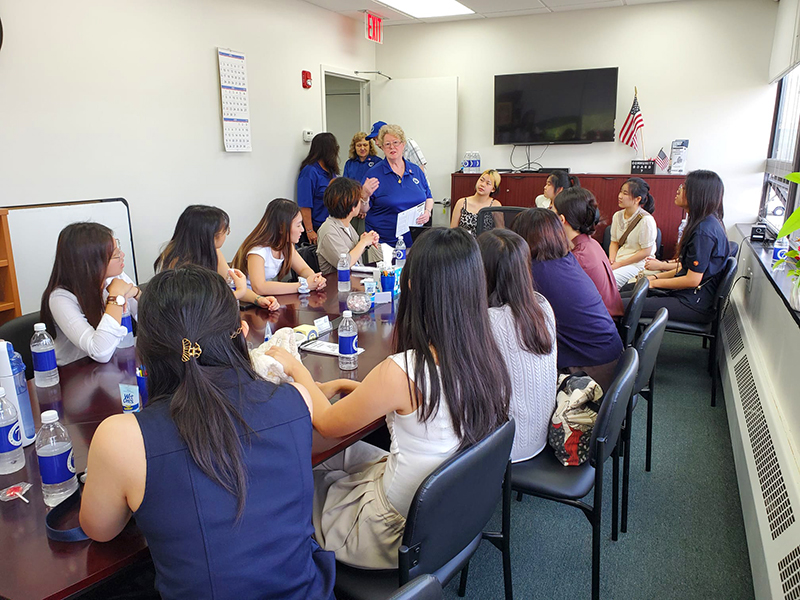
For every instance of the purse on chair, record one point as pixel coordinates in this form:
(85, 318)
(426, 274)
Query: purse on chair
(570, 429)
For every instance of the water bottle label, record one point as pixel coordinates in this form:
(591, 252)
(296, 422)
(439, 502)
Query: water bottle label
(57, 469)
(400, 254)
(10, 437)
(344, 274)
(127, 323)
(348, 344)
(44, 361)
(130, 397)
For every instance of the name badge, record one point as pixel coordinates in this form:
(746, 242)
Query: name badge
(322, 324)
(415, 180)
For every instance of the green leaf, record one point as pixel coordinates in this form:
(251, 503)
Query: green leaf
(778, 263)
(791, 224)
(793, 177)
(793, 254)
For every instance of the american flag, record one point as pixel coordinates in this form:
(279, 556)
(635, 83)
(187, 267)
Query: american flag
(662, 160)
(633, 123)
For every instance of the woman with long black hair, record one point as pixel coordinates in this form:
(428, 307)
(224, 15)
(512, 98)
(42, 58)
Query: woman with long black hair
(688, 290)
(198, 238)
(217, 468)
(524, 328)
(87, 293)
(316, 172)
(439, 393)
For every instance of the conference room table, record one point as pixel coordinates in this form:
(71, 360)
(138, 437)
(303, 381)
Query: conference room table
(34, 567)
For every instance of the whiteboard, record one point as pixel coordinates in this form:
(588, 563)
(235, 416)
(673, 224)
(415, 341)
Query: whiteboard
(34, 232)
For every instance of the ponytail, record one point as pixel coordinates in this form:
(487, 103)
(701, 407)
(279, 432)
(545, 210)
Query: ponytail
(563, 180)
(639, 188)
(579, 208)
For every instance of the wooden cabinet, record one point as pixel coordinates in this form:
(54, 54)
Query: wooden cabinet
(9, 292)
(521, 189)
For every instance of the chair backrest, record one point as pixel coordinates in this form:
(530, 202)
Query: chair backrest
(659, 249)
(455, 502)
(726, 282)
(613, 407)
(308, 252)
(629, 322)
(424, 587)
(503, 216)
(733, 248)
(607, 238)
(19, 332)
(648, 346)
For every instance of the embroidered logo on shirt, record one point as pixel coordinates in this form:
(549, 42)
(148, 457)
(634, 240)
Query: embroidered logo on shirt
(695, 263)
(415, 180)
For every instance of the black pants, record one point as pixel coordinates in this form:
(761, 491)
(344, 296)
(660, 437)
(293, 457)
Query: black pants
(678, 311)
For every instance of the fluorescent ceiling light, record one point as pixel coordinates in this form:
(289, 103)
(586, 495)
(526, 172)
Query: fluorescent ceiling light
(426, 9)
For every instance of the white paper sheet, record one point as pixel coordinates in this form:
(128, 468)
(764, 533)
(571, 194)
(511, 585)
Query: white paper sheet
(235, 104)
(329, 348)
(408, 218)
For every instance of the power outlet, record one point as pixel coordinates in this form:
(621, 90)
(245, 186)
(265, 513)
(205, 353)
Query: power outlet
(749, 285)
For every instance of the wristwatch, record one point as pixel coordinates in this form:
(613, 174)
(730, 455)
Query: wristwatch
(116, 300)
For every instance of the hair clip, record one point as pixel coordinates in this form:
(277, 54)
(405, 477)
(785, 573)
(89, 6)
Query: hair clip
(238, 331)
(190, 351)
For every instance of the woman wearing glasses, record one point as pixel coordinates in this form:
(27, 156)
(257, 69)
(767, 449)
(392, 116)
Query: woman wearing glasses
(396, 185)
(83, 303)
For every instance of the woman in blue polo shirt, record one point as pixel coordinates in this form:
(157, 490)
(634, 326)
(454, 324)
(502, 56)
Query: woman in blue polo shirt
(363, 156)
(688, 291)
(400, 185)
(319, 167)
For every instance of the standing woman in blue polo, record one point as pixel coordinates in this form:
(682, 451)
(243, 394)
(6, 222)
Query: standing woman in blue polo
(319, 167)
(363, 156)
(400, 185)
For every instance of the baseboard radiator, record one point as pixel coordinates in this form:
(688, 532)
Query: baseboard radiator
(766, 467)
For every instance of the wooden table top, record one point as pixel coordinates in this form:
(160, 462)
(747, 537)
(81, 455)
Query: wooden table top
(31, 565)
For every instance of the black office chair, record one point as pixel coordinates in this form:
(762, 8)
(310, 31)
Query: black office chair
(445, 522)
(629, 323)
(424, 587)
(710, 331)
(659, 247)
(19, 332)
(647, 346)
(503, 216)
(544, 476)
(308, 252)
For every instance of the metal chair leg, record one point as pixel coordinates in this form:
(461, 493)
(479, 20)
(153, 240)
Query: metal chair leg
(597, 517)
(462, 585)
(650, 397)
(615, 495)
(626, 470)
(713, 372)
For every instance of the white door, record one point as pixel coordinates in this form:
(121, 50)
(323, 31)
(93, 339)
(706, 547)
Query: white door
(427, 110)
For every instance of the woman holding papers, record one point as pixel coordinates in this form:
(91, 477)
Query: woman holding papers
(395, 190)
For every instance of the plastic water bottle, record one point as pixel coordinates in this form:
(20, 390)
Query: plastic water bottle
(348, 342)
(56, 461)
(45, 370)
(465, 163)
(477, 162)
(12, 380)
(127, 323)
(344, 273)
(400, 252)
(469, 161)
(12, 456)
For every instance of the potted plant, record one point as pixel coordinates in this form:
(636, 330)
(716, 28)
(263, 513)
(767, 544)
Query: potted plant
(791, 225)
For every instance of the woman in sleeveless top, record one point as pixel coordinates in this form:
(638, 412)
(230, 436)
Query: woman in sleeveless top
(217, 468)
(633, 230)
(439, 393)
(465, 211)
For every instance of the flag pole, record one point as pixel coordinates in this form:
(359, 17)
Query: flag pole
(641, 130)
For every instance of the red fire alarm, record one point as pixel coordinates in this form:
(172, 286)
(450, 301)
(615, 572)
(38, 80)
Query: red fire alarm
(306, 80)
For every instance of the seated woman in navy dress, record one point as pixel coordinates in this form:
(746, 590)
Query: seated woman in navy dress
(396, 185)
(225, 456)
(688, 291)
(587, 337)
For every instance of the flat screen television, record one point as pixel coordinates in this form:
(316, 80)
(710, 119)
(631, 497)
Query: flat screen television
(557, 107)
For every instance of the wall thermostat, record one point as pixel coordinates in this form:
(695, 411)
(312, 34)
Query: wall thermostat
(308, 135)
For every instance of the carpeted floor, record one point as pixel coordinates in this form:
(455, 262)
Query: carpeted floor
(685, 532)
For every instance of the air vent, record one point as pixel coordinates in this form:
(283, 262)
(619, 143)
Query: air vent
(732, 333)
(770, 477)
(789, 569)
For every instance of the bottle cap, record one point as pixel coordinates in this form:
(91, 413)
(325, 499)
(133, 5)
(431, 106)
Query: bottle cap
(342, 255)
(49, 416)
(347, 314)
(39, 327)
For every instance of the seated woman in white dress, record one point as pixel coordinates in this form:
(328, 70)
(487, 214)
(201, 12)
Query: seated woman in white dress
(87, 293)
(440, 392)
(633, 230)
(524, 328)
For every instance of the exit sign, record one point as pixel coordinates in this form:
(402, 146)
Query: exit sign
(373, 28)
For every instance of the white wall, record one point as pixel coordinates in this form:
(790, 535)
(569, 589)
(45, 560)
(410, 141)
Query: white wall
(701, 67)
(105, 99)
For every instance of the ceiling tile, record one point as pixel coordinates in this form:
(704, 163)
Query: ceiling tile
(647, 1)
(583, 5)
(517, 13)
(560, 3)
(490, 6)
(389, 17)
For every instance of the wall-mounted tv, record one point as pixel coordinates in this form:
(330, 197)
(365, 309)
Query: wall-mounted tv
(558, 107)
